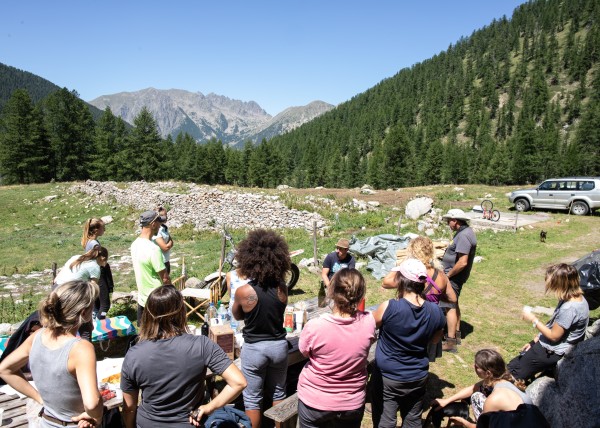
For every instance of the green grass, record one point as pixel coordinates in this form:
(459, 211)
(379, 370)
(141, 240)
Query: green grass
(34, 233)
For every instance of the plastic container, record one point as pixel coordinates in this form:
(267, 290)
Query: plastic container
(288, 319)
(222, 314)
(211, 314)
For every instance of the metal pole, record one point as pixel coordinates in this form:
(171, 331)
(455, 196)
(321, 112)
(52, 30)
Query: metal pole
(516, 220)
(399, 225)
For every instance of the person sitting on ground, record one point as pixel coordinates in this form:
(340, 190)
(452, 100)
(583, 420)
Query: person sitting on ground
(62, 365)
(263, 256)
(163, 239)
(171, 393)
(496, 391)
(332, 385)
(85, 267)
(94, 228)
(407, 325)
(565, 329)
(336, 260)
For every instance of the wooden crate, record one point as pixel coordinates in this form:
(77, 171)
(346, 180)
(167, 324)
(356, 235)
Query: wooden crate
(223, 336)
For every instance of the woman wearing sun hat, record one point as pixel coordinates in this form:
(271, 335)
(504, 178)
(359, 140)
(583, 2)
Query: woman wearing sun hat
(407, 324)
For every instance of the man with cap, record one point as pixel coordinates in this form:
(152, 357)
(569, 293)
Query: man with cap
(337, 260)
(147, 258)
(457, 262)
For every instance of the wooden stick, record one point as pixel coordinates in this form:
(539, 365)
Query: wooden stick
(399, 225)
(316, 260)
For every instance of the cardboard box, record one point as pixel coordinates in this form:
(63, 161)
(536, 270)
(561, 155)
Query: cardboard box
(223, 336)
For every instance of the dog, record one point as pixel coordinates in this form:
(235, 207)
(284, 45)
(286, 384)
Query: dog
(543, 234)
(458, 408)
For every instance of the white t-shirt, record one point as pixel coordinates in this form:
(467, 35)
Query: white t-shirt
(83, 272)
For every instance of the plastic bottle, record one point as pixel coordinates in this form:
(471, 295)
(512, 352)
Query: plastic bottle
(211, 313)
(288, 319)
(232, 321)
(222, 314)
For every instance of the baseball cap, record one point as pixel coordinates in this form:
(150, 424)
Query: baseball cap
(412, 269)
(148, 217)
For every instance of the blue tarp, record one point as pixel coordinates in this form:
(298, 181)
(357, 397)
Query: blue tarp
(380, 250)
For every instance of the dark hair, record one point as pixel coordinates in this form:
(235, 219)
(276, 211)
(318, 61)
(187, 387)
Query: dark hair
(90, 228)
(67, 306)
(491, 361)
(93, 254)
(347, 289)
(164, 314)
(264, 256)
(405, 285)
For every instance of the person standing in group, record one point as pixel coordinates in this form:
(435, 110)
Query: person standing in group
(458, 261)
(565, 329)
(170, 394)
(62, 365)
(147, 259)
(407, 324)
(332, 385)
(336, 260)
(85, 267)
(163, 238)
(93, 228)
(265, 258)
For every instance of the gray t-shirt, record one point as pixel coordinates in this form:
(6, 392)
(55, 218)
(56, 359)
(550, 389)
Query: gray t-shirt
(573, 317)
(170, 373)
(464, 242)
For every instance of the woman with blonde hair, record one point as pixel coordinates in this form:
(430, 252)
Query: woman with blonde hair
(332, 385)
(63, 366)
(94, 228)
(170, 394)
(565, 329)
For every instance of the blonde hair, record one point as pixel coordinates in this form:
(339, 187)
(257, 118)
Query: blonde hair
(68, 306)
(421, 248)
(90, 229)
(563, 280)
(94, 254)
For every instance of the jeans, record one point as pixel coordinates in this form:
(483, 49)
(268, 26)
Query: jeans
(309, 417)
(390, 395)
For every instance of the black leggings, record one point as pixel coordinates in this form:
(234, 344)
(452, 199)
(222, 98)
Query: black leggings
(536, 360)
(105, 283)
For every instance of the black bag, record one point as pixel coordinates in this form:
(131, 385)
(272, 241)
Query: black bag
(589, 278)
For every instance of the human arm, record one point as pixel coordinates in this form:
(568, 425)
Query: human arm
(82, 364)
(236, 382)
(463, 394)
(378, 313)
(389, 281)
(462, 422)
(554, 333)
(164, 277)
(164, 246)
(245, 300)
(10, 370)
(325, 276)
(130, 403)
(460, 265)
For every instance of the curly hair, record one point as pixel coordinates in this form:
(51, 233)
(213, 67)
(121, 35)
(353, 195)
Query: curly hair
(164, 314)
(563, 280)
(68, 306)
(347, 289)
(421, 248)
(264, 256)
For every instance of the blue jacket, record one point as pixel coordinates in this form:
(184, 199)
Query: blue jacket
(227, 417)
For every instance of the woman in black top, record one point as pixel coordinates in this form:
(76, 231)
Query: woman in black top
(264, 257)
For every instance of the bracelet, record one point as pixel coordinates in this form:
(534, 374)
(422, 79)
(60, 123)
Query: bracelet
(534, 323)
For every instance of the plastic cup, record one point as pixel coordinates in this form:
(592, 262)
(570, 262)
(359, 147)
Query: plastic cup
(527, 309)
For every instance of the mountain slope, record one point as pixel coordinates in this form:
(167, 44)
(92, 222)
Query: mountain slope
(207, 116)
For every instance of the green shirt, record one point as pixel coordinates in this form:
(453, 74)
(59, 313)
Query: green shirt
(147, 261)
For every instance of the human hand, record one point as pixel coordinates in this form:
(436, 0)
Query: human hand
(528, 316)
(197, 415)
(85, 421)
(525, 348)
(460, 421)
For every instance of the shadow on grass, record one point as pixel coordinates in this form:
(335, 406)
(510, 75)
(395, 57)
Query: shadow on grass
(465, 329)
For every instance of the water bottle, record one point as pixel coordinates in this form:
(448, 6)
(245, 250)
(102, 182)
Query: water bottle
(211, 313)
(233, 322)
(222, 314)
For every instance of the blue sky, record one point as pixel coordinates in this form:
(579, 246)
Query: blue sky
(278, 53)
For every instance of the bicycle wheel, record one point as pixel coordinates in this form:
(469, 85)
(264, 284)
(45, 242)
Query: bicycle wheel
(292, 276)
(495, 215)
(487, 205)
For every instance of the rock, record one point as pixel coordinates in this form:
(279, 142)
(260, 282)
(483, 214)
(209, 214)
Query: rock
(107, 219)
(417, 207)
(477, 259)
(572, 399)
(49, 198)
(368, 191)
(429, 232)
(459, 189)
(194, 282)
(374, 204)
(593, 330)
(283, 187)
(120, 297)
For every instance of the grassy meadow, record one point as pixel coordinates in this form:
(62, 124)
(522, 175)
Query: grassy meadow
(35, 232)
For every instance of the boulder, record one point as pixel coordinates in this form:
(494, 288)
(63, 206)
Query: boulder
(194, 282)
(417, 207)
(572, 399)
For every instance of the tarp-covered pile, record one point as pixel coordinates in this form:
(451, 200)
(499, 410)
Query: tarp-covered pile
(589, 277)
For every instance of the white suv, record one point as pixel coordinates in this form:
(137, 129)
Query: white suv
(580, 195)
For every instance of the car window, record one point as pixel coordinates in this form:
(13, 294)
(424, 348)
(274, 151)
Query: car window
(586, 185)
(568, 185)
(548, 185)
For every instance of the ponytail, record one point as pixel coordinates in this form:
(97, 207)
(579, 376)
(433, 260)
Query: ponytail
(90, 229)
(93, 254)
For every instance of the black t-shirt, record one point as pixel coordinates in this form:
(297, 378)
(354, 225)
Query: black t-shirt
(170, 373)
(333, 263)
(265, 321)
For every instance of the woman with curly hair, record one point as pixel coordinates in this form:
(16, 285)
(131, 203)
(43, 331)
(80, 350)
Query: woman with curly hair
(264, 257)
(332, 385)
(62, 365)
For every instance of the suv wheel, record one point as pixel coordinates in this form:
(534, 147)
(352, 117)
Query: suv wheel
(579, 208)
(521, 205)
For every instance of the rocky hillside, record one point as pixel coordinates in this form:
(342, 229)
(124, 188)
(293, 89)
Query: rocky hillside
(208, 116)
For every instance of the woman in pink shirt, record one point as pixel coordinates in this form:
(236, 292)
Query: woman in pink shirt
(332, 385)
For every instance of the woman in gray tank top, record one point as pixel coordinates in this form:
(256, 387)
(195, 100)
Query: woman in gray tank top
(62, 365)
(496, 390)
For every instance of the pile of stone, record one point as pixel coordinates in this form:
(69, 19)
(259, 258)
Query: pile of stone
(205, 207)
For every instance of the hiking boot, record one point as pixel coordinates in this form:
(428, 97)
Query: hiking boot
(449, 345)
(458, 337)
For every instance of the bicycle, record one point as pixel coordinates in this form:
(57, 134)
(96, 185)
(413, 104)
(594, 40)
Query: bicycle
(489, 213)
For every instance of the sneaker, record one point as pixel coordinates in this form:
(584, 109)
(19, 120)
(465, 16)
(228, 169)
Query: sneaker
(449, 345)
